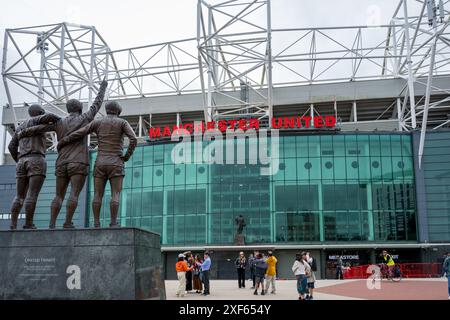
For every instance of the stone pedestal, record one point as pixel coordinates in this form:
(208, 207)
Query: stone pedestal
(119, 263)
(239, 240)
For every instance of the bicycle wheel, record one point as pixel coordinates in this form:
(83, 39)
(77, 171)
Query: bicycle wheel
(397, 275)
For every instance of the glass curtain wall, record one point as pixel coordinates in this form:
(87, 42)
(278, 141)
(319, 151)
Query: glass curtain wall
(332, 188)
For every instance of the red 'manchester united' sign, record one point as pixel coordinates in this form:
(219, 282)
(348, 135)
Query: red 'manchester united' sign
(246, 124)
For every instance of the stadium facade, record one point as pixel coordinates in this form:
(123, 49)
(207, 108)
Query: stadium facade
(377, 178)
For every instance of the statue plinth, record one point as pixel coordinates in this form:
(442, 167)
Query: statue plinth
(88, 264)
(239, 240)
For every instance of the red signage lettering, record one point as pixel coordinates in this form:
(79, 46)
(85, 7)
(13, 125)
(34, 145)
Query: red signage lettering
(317, 122)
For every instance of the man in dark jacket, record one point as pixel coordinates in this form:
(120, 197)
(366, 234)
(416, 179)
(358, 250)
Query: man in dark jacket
(241, 265)
(260, 272)
(251, 264)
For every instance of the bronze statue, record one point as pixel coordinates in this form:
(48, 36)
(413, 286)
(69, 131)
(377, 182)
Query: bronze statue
(239, 238)
(240, 224)
(31, 168)
(72, 164)
(109, 165)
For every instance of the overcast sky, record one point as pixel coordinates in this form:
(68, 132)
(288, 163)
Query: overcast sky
(137, 22)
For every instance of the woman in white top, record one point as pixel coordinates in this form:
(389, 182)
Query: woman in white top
(301, 270)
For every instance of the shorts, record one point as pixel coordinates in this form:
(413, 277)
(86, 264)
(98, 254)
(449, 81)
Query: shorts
(310, 285)
(71, 169)
(108, 171)
(29, 166)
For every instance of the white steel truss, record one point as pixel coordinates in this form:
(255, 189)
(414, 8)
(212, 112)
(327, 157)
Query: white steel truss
(236, 59)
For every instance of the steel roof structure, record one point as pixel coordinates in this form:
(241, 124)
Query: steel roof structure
(239, 66)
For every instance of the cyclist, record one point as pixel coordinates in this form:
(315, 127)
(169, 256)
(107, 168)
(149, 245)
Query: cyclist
(389, 262)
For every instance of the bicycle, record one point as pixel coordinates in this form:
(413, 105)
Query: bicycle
(396, 273)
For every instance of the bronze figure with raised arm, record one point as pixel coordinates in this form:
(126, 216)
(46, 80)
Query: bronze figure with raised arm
(31, 168)
(72, 165)
(109, 165)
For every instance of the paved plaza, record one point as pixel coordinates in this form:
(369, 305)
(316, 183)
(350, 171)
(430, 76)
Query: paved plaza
(407, 289)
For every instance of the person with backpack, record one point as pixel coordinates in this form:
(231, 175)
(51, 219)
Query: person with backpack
(301, 270)
(260, 271)
(241, 265)
(446, 270)
(388, 263)
(312, 276)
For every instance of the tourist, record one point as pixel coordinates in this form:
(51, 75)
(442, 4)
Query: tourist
(301, 271)
(260, 271)
(241, 265)
(206, 266)
(446, 270)
(181, 267)
(339, 268)
(251, 264)
(271, 272)
(196, 272)
(250, 260)
(190, 262)
(312, 276)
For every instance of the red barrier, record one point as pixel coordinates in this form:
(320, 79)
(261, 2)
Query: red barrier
(409, 270)
(421, 270)
(357, 272)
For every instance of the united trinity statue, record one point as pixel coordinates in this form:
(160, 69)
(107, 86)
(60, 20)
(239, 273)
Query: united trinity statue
(72, 165)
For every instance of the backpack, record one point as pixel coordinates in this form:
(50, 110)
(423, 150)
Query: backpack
(260, 267)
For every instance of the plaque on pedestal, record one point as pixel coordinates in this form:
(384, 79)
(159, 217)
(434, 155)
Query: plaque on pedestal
(110, 263)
